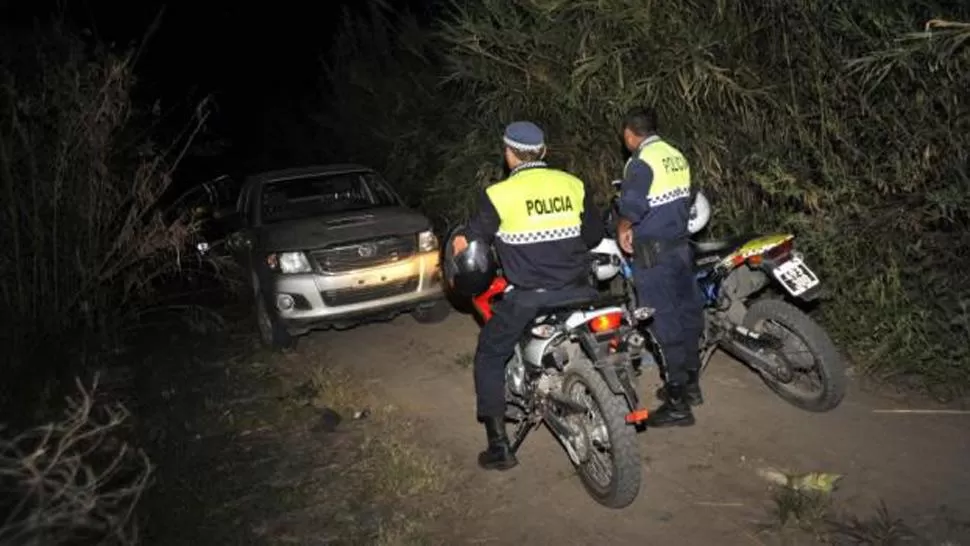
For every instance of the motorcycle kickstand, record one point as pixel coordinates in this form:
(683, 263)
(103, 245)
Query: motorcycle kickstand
(523, 430)
(706, 357)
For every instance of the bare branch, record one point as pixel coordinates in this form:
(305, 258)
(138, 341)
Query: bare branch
(74, 478)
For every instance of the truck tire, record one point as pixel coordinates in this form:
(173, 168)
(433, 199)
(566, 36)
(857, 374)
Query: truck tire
(272, 334)
(433, 314)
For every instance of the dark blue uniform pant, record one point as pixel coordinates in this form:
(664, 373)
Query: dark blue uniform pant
(670, 288)
(496, 342)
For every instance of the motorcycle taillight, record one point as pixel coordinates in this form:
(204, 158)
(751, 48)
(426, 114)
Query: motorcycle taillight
(777, 252)
(605, 323)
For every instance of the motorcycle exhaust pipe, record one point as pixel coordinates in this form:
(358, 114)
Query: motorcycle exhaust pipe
(560, 428)
(750, 356)
(567, 404)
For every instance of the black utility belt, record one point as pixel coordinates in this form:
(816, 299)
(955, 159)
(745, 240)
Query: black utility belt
(647, 252)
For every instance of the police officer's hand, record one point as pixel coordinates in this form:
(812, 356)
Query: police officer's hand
(624, 235)
(459, 243)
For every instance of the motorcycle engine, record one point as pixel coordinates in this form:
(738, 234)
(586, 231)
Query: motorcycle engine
(515, 376)
(549, 383)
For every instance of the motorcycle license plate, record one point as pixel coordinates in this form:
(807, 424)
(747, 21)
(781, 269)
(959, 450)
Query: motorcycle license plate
(795, 276)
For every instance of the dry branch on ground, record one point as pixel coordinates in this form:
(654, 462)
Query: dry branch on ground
(72, 479)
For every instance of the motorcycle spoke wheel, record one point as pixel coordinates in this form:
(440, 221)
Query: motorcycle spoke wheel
(801, 365)
(611, 467)
(806, 353)
(598, 459)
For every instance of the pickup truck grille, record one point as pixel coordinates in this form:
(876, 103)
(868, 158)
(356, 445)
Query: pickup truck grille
(364, 254)
(350, 296)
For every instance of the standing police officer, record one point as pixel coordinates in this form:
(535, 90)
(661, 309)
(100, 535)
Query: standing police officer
(543, 222)
(654, 208)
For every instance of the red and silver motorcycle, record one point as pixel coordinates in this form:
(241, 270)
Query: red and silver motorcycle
(572, 372)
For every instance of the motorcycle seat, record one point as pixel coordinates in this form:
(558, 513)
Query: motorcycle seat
(583, 304)
(706, 249)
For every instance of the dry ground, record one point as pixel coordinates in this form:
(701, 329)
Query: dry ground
(264, 461)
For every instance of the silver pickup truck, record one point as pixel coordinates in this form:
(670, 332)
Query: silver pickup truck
(333, 246)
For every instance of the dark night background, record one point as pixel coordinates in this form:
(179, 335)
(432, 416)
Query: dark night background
(844, 123)
(866, 133)
(259, 61)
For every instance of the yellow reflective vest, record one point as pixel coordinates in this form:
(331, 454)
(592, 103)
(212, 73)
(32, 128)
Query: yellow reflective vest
(671, 172)
(539, 236)
(666, 202)
(537, 205)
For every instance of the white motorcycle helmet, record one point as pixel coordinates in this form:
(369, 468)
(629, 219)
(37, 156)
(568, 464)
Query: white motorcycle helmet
(608, 257)
(700, 213)
(700, 210)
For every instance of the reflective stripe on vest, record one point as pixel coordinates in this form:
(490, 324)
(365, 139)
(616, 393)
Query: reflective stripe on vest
(671, 173)
(537, 205)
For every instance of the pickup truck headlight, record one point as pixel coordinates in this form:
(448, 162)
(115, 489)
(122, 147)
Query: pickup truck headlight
(289, 262)
(427, 241)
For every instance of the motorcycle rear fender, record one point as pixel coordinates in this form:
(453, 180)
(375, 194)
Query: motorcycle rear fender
(746, 281)
(754, 247)
(739, 285)
(615, 369)
(535, 348)
(618, 377)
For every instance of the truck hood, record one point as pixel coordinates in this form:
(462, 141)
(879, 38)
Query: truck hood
(323, 231)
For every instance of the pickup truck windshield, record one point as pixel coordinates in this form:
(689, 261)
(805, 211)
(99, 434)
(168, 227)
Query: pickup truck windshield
(322, 194)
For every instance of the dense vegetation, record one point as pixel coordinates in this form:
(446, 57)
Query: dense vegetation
(85, 245)
(848, 123)
(84, 242)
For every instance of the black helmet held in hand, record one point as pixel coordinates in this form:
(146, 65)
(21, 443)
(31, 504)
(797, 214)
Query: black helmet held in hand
(472, 271)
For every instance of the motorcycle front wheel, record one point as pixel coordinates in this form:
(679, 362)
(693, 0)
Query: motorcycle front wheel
(611, 471)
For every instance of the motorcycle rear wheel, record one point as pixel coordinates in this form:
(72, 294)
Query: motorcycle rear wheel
(622, 459)
(828, 361)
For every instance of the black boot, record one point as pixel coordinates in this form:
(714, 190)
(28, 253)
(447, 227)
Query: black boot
(692, 390)
(499, 454)
(675, 412)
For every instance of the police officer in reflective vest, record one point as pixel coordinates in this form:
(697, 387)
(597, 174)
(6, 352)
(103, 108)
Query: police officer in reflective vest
(654, 207)
(542, 222)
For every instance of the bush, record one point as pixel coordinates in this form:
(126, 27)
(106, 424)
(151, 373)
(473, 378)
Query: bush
(72, 481)
(84, 243)
(832, 120)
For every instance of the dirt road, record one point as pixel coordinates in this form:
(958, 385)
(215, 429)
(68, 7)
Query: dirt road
(700, 484)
